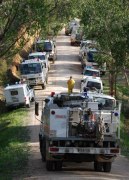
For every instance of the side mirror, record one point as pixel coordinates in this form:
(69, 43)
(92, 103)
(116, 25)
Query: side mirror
(103, 84)
(36, 108)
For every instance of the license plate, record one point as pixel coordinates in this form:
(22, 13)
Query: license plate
(83, 150)
(15, 99)
(32, 82)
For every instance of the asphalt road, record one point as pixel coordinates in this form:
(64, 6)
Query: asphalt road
(67, 64)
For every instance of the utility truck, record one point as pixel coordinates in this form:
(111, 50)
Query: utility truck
(92, 82)
(34, 72)
(90, 57)
(90, 71)
(47, 46)
(43, 57)
(18, 94)
(76, 128)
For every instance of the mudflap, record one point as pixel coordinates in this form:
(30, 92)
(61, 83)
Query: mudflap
(104, 158)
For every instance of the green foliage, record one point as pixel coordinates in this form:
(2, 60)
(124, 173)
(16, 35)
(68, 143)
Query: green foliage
(124, 136)
(31, 17)
(105, 21)
(3, 69)
(13, 147)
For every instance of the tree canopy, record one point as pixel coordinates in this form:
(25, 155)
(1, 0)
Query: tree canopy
(18, 17)
(107, 23)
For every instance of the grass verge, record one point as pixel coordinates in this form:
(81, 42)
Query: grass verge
(13, 143)
(124, 136)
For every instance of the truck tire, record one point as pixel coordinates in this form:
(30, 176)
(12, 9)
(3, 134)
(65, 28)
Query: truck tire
(46, 79)
(43, 149)
(107, 166)
(33, 99)
(49, 165)
(28, 105)
(98, 166)
(44, 85)
(53, 61)
(72, 43)
(58, 165)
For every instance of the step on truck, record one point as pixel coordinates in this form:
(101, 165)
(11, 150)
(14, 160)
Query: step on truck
(75, 128)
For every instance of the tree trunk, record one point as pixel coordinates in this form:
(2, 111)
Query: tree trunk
(126, 77)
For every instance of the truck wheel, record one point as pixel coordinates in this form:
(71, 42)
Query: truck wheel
(58, 165)
(33, 99)
(28, 105)
(47, 80)
(43, 148)
(107, 166)
(98, 166)
(49, 165)
(44, 85)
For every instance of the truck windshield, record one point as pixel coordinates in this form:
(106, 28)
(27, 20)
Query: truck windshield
(91, 73)
(41, 57)
(105, 103)
(44, 46)
(31, 68)
(91, 55)
(47, 46)
(92, 84)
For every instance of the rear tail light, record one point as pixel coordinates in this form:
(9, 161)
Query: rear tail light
(52, 94)
(116, 150)
(54, 149)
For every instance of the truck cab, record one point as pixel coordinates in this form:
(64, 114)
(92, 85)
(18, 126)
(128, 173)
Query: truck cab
(43, 57)
(18, 94)
(33, 71)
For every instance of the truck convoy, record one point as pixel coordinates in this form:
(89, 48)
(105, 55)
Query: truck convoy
(80, 127)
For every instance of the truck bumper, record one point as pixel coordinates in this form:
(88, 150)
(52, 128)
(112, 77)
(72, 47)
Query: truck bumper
(81, 154)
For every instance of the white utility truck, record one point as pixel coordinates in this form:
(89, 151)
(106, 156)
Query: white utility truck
(33, 71)
(18, 94)
(90, 57)
(92, 82)
(74, 128)
(90, 71)
(43, 57)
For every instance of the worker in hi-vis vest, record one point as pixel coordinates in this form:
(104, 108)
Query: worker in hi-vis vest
(71, 84)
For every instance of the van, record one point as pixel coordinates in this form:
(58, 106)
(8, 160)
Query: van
(18, 94)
